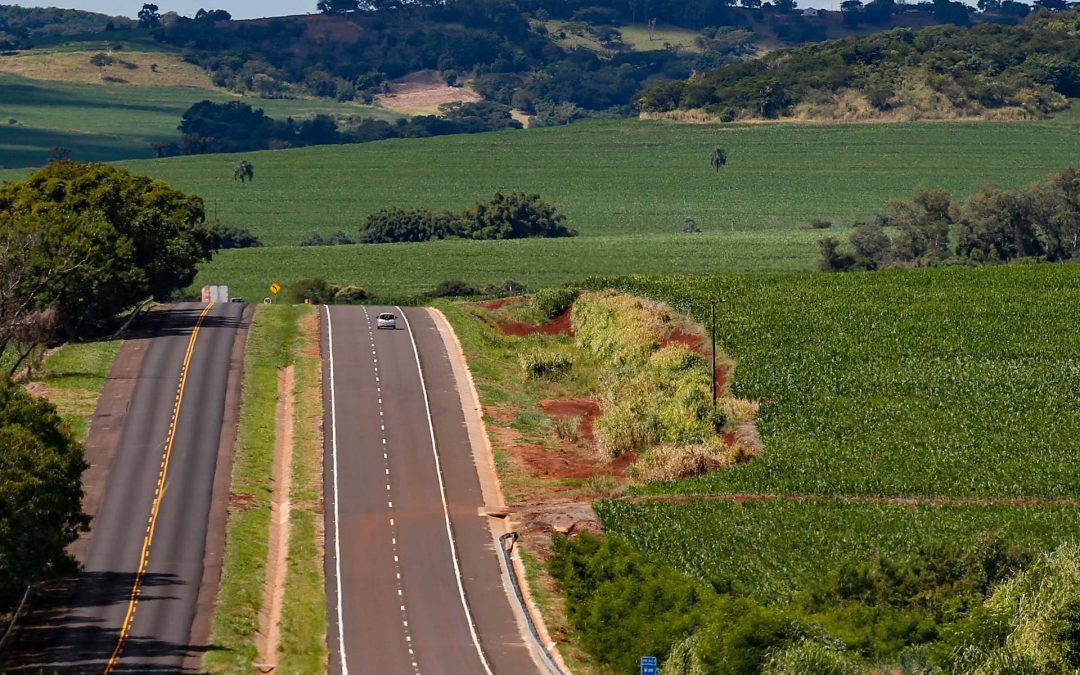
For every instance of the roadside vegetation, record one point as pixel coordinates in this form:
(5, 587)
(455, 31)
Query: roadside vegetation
(280, 336)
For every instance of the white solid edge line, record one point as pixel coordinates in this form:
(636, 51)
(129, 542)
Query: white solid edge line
(442, 494)
(337, 531)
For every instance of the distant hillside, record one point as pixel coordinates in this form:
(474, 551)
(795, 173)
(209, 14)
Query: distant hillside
(20, 27)
(941, 72)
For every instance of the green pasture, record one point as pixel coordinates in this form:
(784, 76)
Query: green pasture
(636, 36)
(913, 383)
(102, 123)
(627, 177)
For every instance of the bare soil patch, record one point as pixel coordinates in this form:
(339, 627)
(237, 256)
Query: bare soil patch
(560, 325)
(422, 92)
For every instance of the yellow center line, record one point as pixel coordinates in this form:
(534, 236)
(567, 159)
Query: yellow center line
(159, 493)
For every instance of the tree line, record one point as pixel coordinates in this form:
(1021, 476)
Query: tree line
(1040, 221)
(209, 127)
(1032, 68)
(79, 244)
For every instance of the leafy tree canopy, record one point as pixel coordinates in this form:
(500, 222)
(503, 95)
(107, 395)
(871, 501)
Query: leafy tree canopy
(41, 469)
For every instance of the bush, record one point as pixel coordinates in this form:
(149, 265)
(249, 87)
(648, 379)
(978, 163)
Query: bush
(316, 291)
(235, 237)
(516, 215)
(339, 238)
(508, 287)
(404, 225)
(552, 302)
(350, 295)
(542, 365)
(453, 288)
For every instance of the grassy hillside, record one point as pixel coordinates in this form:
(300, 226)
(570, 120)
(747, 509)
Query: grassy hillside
(110, 122)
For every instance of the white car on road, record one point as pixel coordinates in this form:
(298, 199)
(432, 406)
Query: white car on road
(386, 320)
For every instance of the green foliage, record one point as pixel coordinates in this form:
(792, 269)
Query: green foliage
(41, 467)
(229, 236)
(314, 291)
(811, 657)
(875, 385)
(552, 302)
(515, 215)
(452, 288)
(617, 597)
(400, 225)
(339, 238)
(122, 238)
(1002, 66)
(545, 365)
(1022, 622)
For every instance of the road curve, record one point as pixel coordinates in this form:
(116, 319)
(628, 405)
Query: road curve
(133, 605)
(413, 581)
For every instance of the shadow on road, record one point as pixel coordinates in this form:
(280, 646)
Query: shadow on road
(179, 320)
(75, 625)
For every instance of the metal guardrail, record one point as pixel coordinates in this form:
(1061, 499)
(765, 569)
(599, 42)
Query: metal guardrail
(508, 565)
(15, 618)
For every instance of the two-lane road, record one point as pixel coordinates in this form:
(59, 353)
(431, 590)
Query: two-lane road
(413, 578)
(134, 604)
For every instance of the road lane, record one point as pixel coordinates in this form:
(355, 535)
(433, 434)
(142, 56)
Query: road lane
(403, 606)
(128, 617)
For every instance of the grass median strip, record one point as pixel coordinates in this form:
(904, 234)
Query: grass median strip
(273, 342)
(73, 377)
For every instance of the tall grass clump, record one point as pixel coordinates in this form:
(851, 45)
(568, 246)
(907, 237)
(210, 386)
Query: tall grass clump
(552, 302)
(656, 394)
(540, 364)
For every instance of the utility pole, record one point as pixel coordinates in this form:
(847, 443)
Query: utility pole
(712, 303)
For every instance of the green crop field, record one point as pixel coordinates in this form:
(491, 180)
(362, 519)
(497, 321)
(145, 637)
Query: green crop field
(103, 123)
(411, 269)
(618, 178)
(928, 383)
(913, 384)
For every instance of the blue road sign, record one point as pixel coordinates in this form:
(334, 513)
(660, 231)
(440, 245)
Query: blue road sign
(648, 665)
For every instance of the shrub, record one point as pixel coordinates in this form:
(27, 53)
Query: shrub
(508, 287)
(235, 237)
(543, 365)
(811, 657)
(452, 288)
(568, 429)
(404, 225)
(551, 302)
(515, 215)
(316, 291)
(338, 238)
(350, 295)
(821, 224)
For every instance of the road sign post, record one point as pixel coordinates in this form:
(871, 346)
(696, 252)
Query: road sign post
(648, 665)
(275, 288)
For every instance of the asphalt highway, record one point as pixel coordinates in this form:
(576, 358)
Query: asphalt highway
(133, 606)
(413, 578)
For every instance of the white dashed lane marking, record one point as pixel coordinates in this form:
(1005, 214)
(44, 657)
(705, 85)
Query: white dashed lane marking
(389, 499)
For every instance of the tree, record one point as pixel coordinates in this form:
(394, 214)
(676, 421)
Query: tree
(149, 17)
(244, 171)
(515, 215)
(750, 4)
(717, 158)
(59, 153)
(41, 467)
(134, 237)
(338, 6)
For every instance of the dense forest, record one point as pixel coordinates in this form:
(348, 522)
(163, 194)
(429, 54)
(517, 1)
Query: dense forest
(942, 71)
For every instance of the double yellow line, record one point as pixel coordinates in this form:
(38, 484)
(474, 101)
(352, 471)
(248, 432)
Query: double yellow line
(159, 493)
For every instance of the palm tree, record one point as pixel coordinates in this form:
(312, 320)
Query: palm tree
(244, 171)
(717, 158)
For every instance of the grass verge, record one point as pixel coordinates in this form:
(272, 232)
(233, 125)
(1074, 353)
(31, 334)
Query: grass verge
(72, 378)
(273, 341)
